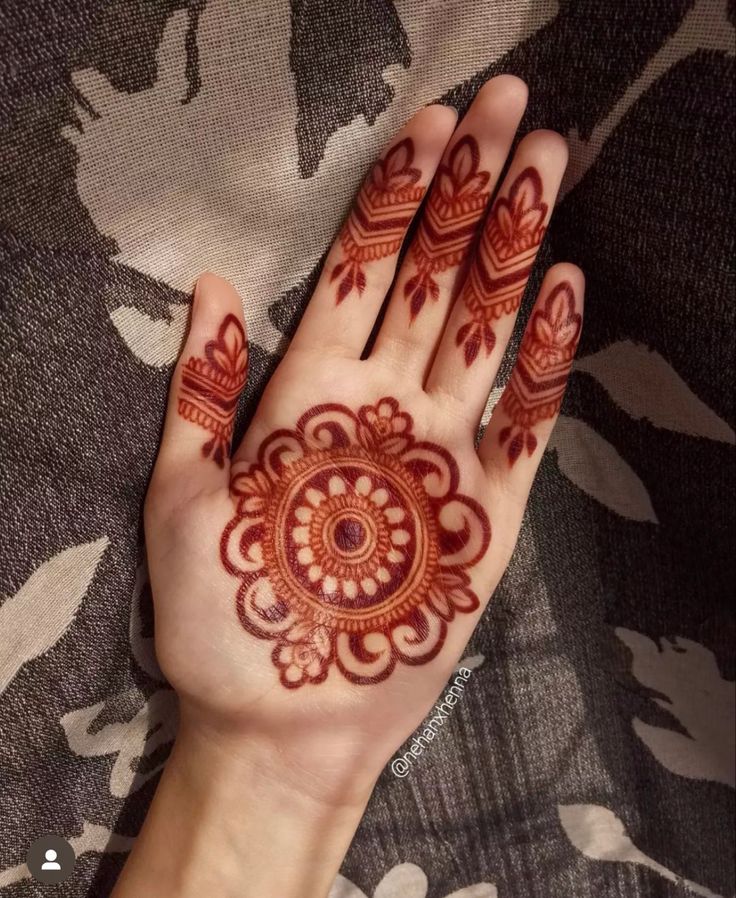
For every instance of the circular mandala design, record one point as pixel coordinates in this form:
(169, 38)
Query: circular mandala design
(350, 538)
(352, 545)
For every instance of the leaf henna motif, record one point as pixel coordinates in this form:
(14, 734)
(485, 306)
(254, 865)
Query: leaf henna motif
(540, 374)
(352, 544)
(503, 262)
(210, 387)
(456, 204)
(378, 221)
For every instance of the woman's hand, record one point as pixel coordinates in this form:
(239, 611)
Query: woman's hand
(314, 593)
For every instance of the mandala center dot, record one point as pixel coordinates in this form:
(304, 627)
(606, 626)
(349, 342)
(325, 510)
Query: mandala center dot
(349, 535)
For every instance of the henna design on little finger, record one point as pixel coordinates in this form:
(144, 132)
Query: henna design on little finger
(210, 387)
(382, 212)
(352, 545)
(503, 262)
(540, 374)
(449, 223)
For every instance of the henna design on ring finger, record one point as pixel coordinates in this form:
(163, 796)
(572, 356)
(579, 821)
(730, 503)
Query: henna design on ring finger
(503, 262)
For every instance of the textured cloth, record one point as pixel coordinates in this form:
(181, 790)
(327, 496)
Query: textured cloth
(592, 754)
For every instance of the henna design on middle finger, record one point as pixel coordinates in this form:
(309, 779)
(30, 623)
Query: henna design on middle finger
(503, 262)
(378, 221)
(455, 206)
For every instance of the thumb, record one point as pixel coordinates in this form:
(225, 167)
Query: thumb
(204, 392)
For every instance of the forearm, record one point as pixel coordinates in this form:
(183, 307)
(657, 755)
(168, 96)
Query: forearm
(223, 822)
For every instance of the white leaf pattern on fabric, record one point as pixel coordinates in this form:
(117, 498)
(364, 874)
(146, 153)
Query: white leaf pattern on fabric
(472, 662)
(697, 31)
(154, 725)
(343, 888)
(155, 342)
(406, 881)
(644, 385)
(686, 675)
(233, 200)
(600, 835)
(93, 838)
(493, 398)
(594, 466)
(30, 624)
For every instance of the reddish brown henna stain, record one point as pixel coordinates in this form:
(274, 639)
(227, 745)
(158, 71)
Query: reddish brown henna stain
(538, 380)
(504, 259)
(352, 544)
(383, 211)
(210, 387)
(455, 206)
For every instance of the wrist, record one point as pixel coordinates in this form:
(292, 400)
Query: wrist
(232, 816)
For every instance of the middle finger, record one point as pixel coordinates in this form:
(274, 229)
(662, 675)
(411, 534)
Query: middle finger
(435, 263)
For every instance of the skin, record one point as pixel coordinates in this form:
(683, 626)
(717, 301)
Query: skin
(273, 780)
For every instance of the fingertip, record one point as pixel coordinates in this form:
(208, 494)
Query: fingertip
(443, 110)
(438, 119)
(566, 272)
(549, 147)
(508, 88)
(212, 288)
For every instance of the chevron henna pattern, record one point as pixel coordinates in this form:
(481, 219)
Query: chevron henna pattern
(540, 374)
(506, 253)
(449, 222)
(210, 387)
(378, 221)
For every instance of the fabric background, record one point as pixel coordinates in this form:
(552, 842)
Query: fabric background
(142, 142)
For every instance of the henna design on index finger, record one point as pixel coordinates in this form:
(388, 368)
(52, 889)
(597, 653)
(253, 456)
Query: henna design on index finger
(380, 216)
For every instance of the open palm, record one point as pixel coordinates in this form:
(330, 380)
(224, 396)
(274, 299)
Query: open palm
(319, 587)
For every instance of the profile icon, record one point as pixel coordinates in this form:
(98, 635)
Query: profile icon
(50, 859)
(50, 863)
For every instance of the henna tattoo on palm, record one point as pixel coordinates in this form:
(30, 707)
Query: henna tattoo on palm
(378, 221)
(540, 374)
(210, 387)
(502, 264)
(455, 206)
(352, 544)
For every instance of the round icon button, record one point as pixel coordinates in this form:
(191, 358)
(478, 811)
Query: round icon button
(50, 859)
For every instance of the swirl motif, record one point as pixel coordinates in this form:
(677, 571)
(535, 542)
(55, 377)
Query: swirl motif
(352, 544)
